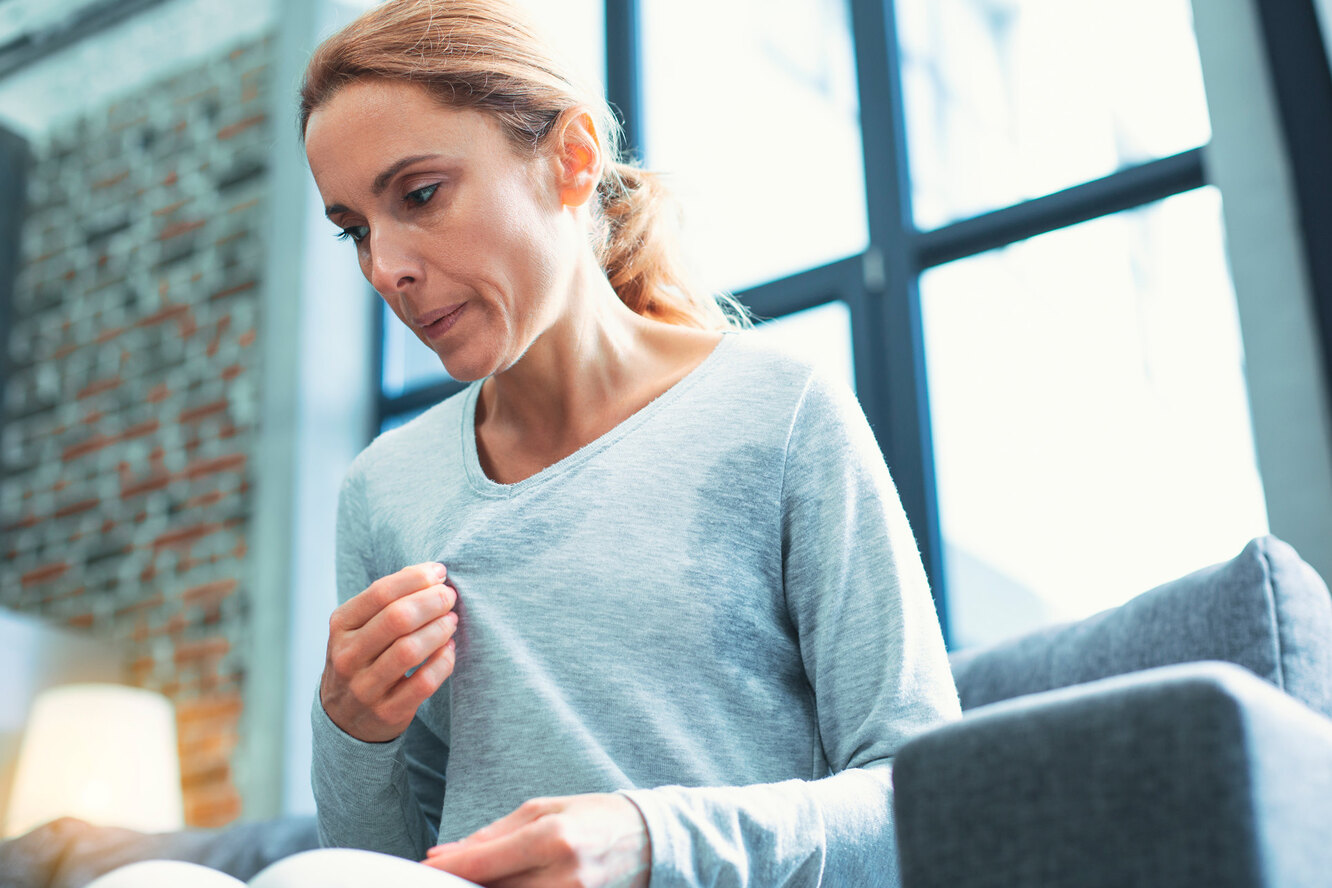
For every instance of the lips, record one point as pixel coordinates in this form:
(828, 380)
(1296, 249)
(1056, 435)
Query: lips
(437, 323)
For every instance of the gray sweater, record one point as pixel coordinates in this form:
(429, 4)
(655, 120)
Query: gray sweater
(716, 608)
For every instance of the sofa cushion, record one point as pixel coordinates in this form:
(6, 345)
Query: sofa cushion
(1266, 610)
(69, 853)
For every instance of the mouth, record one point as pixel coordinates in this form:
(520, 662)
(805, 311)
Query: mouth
(437, 323)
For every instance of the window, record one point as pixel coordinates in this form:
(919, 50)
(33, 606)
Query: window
(992, 218)
(1089, 408)
(759, 133)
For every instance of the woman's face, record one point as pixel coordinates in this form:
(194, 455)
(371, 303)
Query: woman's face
(465, 239)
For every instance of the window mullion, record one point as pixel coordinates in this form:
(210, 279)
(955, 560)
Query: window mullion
(885, 307)
(624, 71)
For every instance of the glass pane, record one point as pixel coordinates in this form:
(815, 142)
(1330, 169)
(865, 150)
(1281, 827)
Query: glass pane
(820, 335)
(408, 362)
(751, 111)
(577, 31)
(1013, 99)
(1091, 423)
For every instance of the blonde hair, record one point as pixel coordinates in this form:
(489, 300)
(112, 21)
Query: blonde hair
(483, 55)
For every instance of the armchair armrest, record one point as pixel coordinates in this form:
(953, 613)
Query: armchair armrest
(1191, 775)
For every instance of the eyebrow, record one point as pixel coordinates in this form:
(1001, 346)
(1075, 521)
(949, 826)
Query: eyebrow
(382, 180)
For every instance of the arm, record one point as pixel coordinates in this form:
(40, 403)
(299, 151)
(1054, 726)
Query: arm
(383, 796)
(873, 655)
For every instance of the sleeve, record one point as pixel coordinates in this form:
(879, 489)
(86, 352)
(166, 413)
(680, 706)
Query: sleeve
(382, 797)
(874, 656)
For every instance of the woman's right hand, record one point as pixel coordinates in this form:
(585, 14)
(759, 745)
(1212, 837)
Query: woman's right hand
(403, 620)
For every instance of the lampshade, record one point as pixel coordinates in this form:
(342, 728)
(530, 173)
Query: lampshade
(101, 752)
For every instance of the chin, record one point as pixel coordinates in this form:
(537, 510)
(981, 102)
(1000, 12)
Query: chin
(463, 369)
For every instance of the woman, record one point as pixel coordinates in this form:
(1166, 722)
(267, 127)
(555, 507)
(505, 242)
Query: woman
(649, 560)
(640, 605)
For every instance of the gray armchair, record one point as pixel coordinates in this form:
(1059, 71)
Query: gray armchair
(1104, 753)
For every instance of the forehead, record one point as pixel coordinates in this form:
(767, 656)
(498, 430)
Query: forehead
(371, 123)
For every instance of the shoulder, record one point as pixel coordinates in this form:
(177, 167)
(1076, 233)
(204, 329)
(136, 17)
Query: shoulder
(802, 387)
(398, 450)
(755, 364)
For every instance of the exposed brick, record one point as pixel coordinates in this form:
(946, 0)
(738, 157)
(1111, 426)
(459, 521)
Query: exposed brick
(240, 126)
(209, 594)
(141, 429)
(83, 448)
(232, 291)
(171, 208)
(113, 180)
(45, 574)
(100, 386)
(144, 485)
(223, 706)
(166, 313)
(213, 812)
(176, 229)
(195, 414)
(141, 668)
(154, 275)
(208, 649)
(184, 537)
(143, 604)
(78, 508)
(28, 520)
(223, 324)
(204, 500)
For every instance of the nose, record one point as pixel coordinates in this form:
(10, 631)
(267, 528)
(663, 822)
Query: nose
(393, 265)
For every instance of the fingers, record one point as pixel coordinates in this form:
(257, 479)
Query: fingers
(363, 608)
(519, 817)
(403, 622)
(390, 656)
(409, 691)
(487, 861)
(597, 839)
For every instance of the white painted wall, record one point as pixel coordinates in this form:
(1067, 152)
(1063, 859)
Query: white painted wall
(318, 315)
(1287, 390)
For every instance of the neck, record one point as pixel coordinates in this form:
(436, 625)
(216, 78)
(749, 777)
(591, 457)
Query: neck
(577, 370)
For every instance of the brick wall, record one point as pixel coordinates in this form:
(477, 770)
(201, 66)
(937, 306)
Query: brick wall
(130, 412)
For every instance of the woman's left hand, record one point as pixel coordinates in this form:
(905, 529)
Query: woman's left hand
(589, 841)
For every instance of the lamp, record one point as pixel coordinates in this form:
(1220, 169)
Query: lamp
(104, 753)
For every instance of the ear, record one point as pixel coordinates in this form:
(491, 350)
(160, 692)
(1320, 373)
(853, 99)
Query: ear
(580, 158)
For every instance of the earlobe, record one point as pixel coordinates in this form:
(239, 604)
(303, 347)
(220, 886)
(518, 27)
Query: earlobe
(580, 158)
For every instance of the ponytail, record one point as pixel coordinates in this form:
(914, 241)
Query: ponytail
(639, 251)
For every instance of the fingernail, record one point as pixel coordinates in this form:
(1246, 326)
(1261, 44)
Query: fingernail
(440, 572)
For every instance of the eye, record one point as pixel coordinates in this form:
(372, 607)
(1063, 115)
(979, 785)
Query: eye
(354, 233)
(421, 196)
